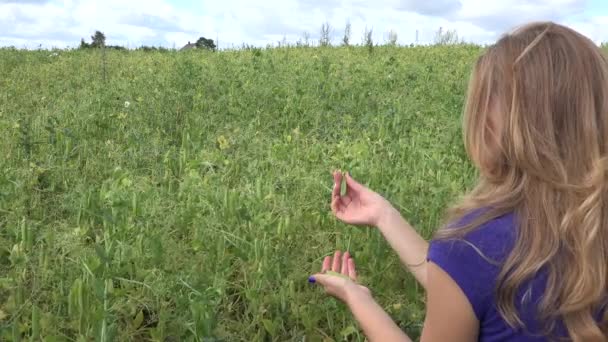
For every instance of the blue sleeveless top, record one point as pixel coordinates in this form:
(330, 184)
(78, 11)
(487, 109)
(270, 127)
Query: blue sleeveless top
(477, 277)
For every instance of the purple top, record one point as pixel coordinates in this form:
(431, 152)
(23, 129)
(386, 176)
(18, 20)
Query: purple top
(477, 277)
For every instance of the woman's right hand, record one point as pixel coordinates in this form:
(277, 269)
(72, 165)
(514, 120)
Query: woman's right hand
(360, 205)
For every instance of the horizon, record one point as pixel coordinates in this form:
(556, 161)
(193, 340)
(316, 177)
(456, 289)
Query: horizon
(47, 24)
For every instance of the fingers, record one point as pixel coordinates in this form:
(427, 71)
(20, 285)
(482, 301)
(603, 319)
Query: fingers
(337, 182)
(353, 184)
(345, 200)
(336, 265)
(344, 268)
(326, 264)
(323, 279)
(352, 271)
(341, 263)
(335, 205)
(339, 203)
(335, 194)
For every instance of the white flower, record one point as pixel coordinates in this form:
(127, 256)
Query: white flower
(127, 104)
(54, 54)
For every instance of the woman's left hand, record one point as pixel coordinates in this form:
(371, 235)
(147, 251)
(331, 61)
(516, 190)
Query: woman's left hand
(343, 286)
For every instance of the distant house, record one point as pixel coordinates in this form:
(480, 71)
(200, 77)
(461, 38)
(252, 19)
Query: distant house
(188, 46)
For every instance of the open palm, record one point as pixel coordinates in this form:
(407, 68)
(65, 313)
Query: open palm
(339, 286)
(359, 206)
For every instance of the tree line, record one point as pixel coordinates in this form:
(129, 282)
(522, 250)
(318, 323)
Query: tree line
(98, 40)
(442, 37)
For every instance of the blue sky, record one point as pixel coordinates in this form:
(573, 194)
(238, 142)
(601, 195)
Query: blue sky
(190, 4)
(172, 23)
(594, 7)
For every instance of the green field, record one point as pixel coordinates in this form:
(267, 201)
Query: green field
(185, 196)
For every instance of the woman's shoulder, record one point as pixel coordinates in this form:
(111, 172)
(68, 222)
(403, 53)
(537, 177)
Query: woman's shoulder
(493, 239)
(474, 260)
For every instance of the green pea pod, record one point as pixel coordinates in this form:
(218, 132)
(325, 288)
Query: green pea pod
(337, 274)
(343, 185)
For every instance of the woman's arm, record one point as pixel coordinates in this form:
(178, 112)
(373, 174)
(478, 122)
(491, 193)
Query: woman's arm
(409, 245)
(362, 206)
(340, 282)
(376, 324)
(449, 315)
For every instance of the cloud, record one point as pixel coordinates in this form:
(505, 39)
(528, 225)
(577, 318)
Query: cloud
(37, 22)
(62, 24)
(151, 21)
(158, 22)
(23, 1)
(593, 28)
(432, 8)
(501, 16)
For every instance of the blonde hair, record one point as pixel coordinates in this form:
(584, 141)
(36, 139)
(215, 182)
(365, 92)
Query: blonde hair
(548, 87)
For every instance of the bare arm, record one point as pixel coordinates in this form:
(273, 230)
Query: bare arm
(449, 315)
(362, 206)
(409, 245)
(376, 324)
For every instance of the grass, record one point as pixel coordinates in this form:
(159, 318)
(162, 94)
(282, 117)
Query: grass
(185, 196)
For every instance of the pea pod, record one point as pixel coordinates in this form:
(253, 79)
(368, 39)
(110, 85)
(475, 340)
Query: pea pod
(343, 185)
(337, 274)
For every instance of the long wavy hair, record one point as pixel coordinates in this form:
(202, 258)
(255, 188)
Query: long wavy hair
(536, 128)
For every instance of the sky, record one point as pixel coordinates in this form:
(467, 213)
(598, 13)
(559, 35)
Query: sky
(172, 23)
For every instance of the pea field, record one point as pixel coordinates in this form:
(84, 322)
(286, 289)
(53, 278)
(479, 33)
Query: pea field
(185, 196)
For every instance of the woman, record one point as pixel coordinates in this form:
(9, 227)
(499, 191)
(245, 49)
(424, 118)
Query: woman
(525, 254)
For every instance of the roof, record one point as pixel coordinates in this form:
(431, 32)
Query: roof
(188, 46)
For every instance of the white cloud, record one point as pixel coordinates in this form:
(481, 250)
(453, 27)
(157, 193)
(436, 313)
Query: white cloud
(157, 22)
(23, 1)
(432, 8)
(595, 28)
(500, 16)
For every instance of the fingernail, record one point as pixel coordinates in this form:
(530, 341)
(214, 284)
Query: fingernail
(312, 280)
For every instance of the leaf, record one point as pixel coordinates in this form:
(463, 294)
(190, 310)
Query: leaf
(101, 253)
(3, 315)
(157, 250)
(349, 330)
(269, 326)
(35, 334)
(222, 142)
(138, 320)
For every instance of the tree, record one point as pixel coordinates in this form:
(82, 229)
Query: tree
(306, 39)
(204, 43)
(83, 44)
(368, 40)
(325, 39)
(347, 33)
(99, 40)
(449, 37)
(392, 38)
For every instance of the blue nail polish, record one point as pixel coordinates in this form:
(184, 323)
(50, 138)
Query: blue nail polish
(312, 280)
